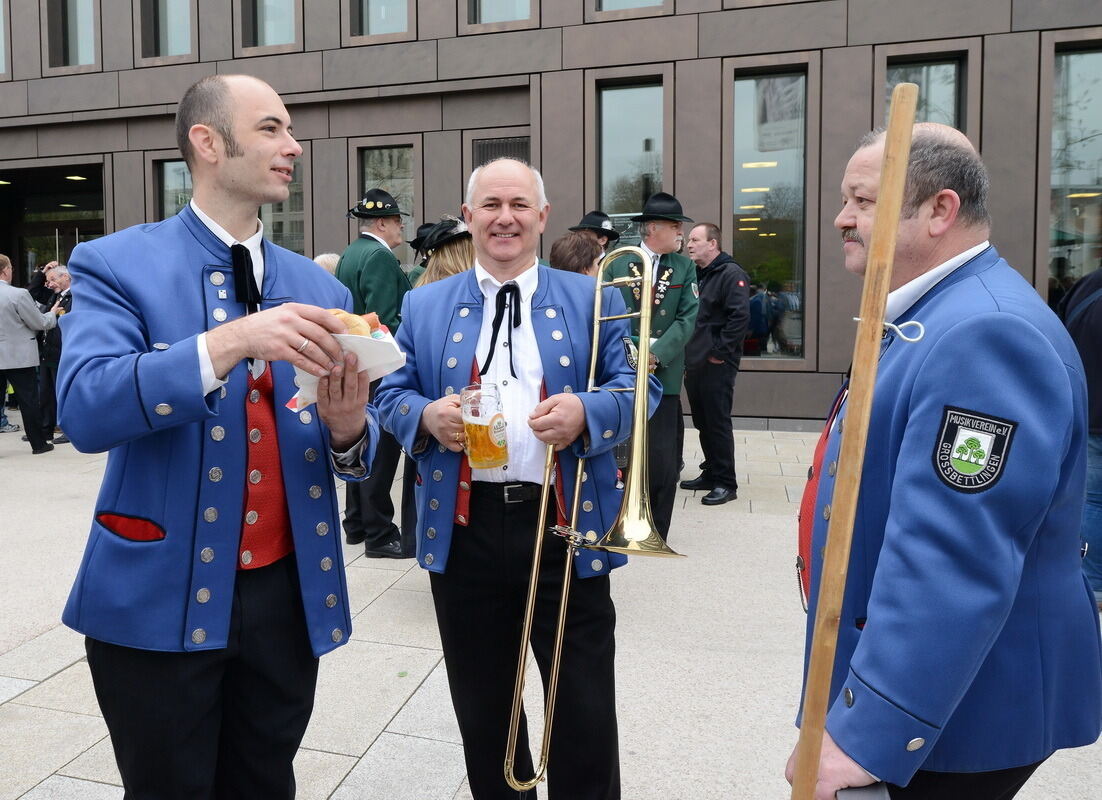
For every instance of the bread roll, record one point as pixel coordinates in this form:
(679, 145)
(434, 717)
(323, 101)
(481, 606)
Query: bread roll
(357, 325)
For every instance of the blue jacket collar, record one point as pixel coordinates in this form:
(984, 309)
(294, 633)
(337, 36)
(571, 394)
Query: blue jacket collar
(983, 261)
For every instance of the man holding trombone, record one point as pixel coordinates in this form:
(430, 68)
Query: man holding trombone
(527, 330)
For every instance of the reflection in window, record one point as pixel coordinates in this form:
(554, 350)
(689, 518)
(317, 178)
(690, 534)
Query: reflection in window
(173, 187)
(482, 11)
(285, 222)
(620, 5)
(72, 32)
(1075, 233)
(375, 17)
(768, 224)
(391, 169)
(939, 94)
(630, 155)
(166, 28)
(268, 22)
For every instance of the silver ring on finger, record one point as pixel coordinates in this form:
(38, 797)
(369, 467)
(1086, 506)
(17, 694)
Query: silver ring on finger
(303, 346)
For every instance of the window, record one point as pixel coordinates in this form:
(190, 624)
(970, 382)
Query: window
(484, 150)
(391, 169)
(270, 23)
(1075, 227)
(379, 17)
(625, 5)
(630, 151)
(173, 186)
(73, 28)
(480, 12)
(939, 89)
(770, 132)
(166, 28)
(285, 222)
(4, 38)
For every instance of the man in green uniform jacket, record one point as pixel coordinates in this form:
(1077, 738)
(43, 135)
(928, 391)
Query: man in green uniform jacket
(672, 322)
(374, 276)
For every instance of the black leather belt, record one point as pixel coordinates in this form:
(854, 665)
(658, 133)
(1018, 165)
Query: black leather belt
(507, 492)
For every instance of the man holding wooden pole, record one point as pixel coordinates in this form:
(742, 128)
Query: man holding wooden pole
(968, 645)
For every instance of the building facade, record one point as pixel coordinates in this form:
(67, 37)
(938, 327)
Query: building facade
(747, 110)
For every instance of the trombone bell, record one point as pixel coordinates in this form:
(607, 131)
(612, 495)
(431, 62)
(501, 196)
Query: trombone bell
(636, 537)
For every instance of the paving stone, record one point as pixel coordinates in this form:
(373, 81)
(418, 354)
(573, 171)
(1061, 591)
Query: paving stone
(416, 580)
(12, 687)
(69, 690)
(399, 617)
(429, 714)
(361, 686)
(365, 584)
(44, 655)
(97, 763)
(405, 768)
(36, 742)
(60, 788)
(318, 774)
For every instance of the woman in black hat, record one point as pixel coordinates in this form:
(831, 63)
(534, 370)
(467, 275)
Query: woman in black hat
(449, 250)
(597, 224)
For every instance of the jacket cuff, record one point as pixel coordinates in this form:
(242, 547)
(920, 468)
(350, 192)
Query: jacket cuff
(880, 736)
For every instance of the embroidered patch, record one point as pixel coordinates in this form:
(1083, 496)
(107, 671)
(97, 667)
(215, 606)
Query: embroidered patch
(971, 449)
(696, 291)
(631, 352)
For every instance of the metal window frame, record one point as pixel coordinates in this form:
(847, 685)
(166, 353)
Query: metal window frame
(143, 27)
(466, 28)
(49, 12)
(809, 63)
(595, 14)
(242, 23)
(349, 39)
(415, 141)
(1052, 43)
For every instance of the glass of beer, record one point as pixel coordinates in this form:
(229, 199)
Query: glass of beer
(484, 424)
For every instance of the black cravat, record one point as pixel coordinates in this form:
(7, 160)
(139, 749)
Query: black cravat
(508, 295)
(244, 280)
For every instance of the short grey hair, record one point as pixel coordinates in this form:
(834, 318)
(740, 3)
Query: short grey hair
(938, 162)
(327, 261)
(60, 269)
(542, 194)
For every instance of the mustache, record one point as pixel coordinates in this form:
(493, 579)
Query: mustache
(851, 235)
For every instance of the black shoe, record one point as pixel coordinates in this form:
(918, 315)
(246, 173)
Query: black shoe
(61, 438)
(44, 449)
(392, 549)
(702, 482)
(354, 537)
(719, 495)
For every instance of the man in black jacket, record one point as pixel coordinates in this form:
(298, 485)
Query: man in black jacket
(712, 359)
(59, 283)
(1081, 311)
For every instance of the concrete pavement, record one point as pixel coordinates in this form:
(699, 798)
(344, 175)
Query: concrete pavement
(709, 654)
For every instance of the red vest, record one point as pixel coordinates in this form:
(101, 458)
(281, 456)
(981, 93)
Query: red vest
(266, 527)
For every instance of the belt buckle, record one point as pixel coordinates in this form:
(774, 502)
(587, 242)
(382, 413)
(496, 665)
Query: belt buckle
(506, 489)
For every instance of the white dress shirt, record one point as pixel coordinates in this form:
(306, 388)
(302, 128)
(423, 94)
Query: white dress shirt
(521, 394)
(256, 250)
(911, 292)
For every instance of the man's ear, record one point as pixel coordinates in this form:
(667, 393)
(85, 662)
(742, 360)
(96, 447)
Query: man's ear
(466, 211)
(945, 206)
(205, 143)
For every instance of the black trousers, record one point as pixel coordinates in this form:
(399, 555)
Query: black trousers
(1001, 784)
(480, 603)
(710, 388)
(24, 382)
(47, 397)
(368, 508)
(222, 724)
(664, 431)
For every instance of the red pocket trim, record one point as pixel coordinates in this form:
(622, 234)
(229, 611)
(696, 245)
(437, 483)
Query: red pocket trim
(135, 529)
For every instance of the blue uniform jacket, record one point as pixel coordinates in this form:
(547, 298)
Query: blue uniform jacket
(129, 383)
(440, 328)
(980, 643)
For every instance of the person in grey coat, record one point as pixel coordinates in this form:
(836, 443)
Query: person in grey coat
(20, 319)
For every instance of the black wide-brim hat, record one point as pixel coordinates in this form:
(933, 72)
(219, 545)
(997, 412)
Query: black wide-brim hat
(376, 203)
(418, 241)
(662, 205)
(599, 223)
(444, 231)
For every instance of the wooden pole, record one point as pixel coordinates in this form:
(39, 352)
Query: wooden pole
(866, 354)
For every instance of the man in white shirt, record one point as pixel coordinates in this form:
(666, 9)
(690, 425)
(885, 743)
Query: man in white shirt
(212, 579)
(526, 328)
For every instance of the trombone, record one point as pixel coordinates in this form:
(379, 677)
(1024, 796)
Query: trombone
(633, 532)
